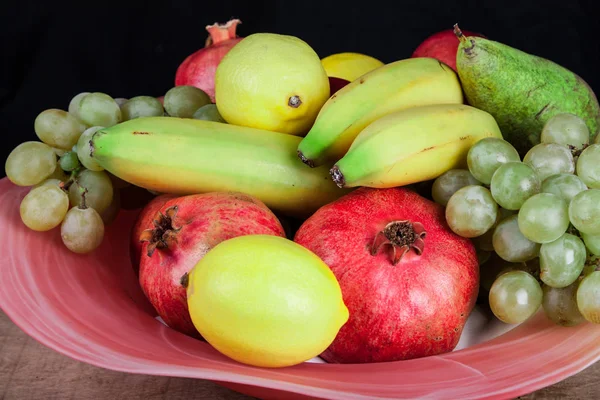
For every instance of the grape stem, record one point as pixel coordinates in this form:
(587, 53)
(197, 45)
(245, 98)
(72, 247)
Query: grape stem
(83, 191)
(72, 178)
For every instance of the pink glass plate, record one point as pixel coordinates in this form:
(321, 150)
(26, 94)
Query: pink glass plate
(90, 308)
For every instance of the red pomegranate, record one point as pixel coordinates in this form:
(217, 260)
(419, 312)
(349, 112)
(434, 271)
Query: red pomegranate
(198, 69)
(408, 281)
(442, 46)
(184, 229)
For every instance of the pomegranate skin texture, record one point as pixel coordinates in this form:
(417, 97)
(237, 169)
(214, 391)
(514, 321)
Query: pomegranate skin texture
(408, 281)
(183, 230)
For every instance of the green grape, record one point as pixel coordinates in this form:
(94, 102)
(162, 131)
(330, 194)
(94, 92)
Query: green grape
(58, 173)
(183, 101)
(59, 152)
(510, 244)
(515, 296)
(142, 106)
(471, 211)
(560, 305)
(588, 297)
(588, 166)
(30, 163)
(82, 230)
(48, 181)
(75, 103)
(592, 243)
(58, 128)
(449, 182)
(543, 218)
(513, 183)
(209, 112)
(549, 159)
(120, 101)
(485, 156)
(484, 242)
(44, 207)
(584, 212)
(565, 186)
(99, 190)
(69, 161)
(567, 130)
(562, 261)
(84, 149)
(99, 109)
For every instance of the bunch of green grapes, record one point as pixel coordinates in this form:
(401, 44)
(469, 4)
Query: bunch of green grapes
(67, 187)
(543, 209)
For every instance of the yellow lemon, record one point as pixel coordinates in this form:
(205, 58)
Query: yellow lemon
(272, 82)
(266, 301)
(349, 66)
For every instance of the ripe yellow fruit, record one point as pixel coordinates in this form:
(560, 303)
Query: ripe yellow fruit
(273, 82)
(349, 66)
(265, 301)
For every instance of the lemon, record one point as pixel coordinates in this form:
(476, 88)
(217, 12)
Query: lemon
(349, 66)
(273, 82)
(266, 301)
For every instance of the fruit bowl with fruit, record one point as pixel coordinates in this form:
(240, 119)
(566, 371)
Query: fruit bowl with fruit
(262, 228)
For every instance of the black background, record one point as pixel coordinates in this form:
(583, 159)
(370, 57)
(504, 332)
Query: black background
(56, 49)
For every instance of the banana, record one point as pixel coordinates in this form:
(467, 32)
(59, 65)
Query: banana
(186, 156)
(413, 145)
(392, 87)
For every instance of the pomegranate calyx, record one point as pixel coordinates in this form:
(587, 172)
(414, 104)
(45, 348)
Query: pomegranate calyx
(164, 232)
(221, 32)
(402, 236)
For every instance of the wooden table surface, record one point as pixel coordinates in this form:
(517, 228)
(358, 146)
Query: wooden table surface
(31, 371)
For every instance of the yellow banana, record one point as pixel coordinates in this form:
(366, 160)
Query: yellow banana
(392, 87)
(186, 156)
(413, 145)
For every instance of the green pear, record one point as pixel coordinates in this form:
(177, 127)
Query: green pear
(520, 90)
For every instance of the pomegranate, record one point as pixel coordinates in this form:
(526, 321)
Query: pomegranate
(442, 46)
(184, 229)
(142, 222)
(408, 281)
(198, 69)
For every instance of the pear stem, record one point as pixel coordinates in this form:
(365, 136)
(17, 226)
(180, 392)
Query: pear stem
(459, 34)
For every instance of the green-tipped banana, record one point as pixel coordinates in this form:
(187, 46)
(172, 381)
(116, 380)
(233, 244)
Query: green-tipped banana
(392, 87)
(186, 156)
(413, 145)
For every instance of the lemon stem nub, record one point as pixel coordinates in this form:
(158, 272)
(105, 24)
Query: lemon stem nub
(294, 101)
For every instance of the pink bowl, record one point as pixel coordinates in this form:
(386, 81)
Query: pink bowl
(90, 308)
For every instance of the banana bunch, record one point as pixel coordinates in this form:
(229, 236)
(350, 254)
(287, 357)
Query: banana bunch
(396, 86)
(187, 156)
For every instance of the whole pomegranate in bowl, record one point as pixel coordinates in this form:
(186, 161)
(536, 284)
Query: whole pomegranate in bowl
(409, 282)
(175, 232)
